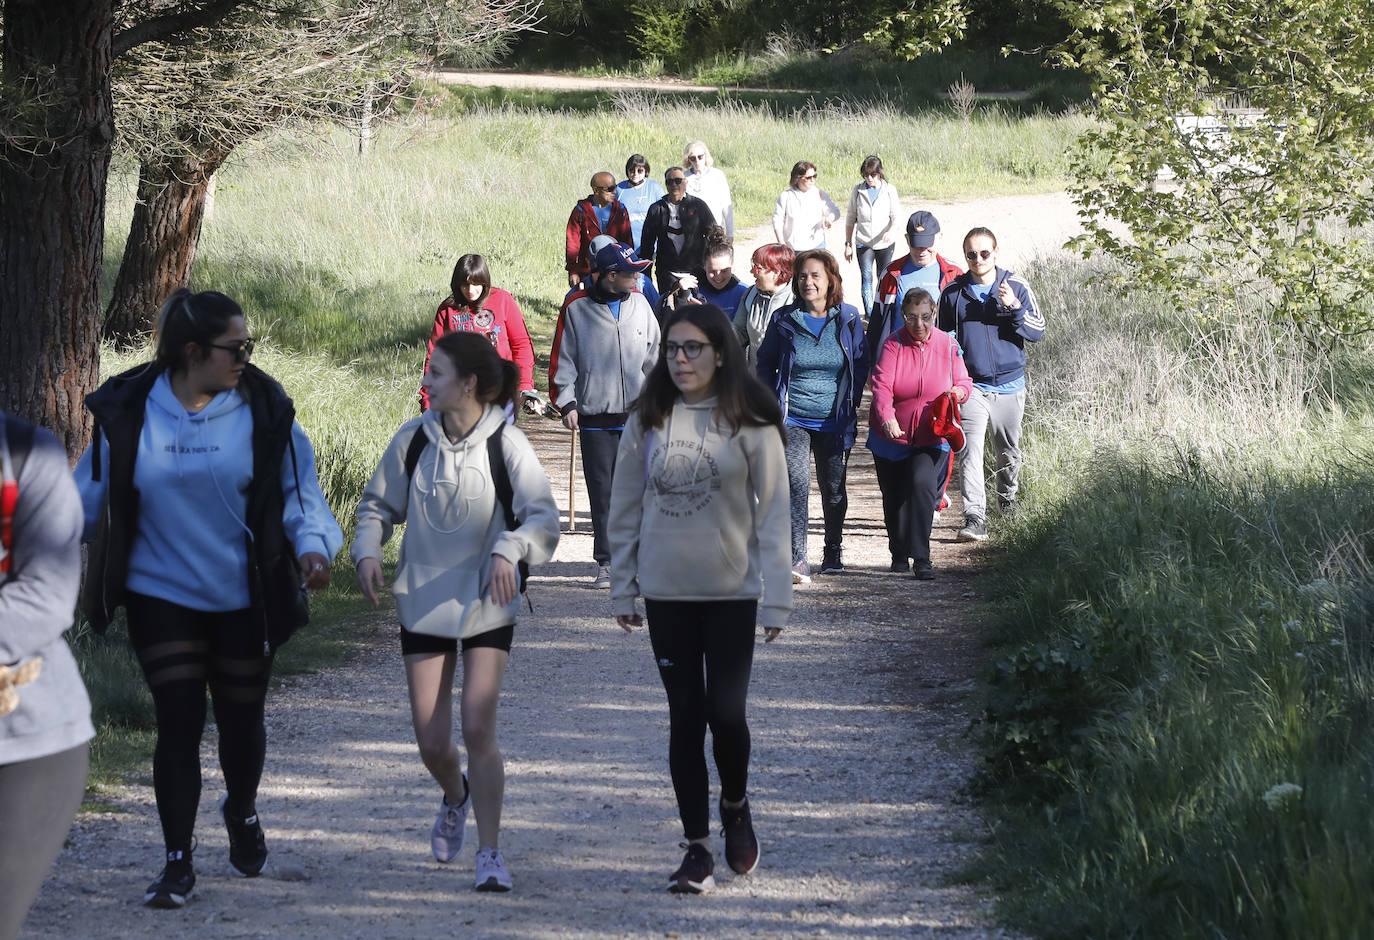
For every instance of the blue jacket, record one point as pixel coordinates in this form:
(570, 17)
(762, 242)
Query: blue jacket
(779, 349)
(992, 337)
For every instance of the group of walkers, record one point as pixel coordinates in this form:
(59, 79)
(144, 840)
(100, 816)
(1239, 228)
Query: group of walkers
(700, 415)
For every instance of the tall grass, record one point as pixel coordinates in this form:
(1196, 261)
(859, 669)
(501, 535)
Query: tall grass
(1185, 629)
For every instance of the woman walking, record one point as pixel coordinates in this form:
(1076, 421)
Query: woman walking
(474, 306)
(771, 266)
(708, 183)
(699, 521)
(871, 224)
(209, 524)
(814, 357)
(476, 504)
(916, 366)
(803, 211)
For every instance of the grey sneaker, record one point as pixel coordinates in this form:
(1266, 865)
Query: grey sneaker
(974, 530)
(602, 581)
(450, 828)
(491, 871)
(801, 573)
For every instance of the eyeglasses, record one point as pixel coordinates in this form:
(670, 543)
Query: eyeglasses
(691, 349)
(240, 350)
(913, 315)
(809, 176)
(696, 156)
(676, 180)
(985, 254)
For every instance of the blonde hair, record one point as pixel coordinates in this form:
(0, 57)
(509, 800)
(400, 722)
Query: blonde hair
(709, 161)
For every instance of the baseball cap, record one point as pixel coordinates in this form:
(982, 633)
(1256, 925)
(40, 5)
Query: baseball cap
(921, 229)
(617, 257)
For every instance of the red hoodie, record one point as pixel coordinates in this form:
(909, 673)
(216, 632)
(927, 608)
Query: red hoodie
(500, 321)
(583, 226)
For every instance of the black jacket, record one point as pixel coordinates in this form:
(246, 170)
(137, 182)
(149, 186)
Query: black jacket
(656, 246)
(274, 574)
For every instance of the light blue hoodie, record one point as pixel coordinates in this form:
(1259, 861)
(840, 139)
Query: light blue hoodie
(193, 472)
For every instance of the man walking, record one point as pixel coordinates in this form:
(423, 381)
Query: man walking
(675, 232)
(605, 343)
(922, 267)
(993, 315)
(599, 214)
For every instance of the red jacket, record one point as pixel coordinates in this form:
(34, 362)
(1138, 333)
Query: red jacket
(506, 330)
(886, 316)
(583, 226)
(908, 377)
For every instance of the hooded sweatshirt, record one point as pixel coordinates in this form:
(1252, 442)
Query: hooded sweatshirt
(754, 313)
(194, 470)
(701, 514)
(454, 523)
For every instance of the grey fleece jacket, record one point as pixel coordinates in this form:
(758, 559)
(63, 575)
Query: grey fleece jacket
(37, 598)
(600, 360)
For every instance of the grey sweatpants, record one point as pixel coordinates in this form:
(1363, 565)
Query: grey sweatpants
(1002, 415)
(38, 801)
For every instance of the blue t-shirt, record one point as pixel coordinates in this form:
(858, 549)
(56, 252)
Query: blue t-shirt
(927, 278)
(603, 216)
(637, 200)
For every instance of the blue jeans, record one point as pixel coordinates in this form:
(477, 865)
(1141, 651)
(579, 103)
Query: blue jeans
(872, 263)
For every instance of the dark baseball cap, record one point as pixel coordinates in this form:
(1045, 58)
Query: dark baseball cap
(921, 229)
(617, 257)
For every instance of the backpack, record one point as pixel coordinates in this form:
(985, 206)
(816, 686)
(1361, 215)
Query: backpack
(500, 478)
(18, 442)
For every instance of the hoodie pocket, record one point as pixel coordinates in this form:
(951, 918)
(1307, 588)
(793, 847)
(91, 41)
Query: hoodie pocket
(436, 600)
(683, 565)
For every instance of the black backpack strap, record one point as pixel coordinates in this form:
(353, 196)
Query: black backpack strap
(505, 494)
(418, 443)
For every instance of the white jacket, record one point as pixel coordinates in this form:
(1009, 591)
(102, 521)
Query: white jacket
(712, 188)
(799, 218)
(876, 223)
(454, 523)
(701, 514)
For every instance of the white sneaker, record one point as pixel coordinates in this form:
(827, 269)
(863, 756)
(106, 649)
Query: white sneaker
(450, 829)
(602, 581)
(491, 871)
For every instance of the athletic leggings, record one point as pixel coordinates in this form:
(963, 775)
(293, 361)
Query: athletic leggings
(38, 801)
(832, 461)
(181, 651)
(704, 650)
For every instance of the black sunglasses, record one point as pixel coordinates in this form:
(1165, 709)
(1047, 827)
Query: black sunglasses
(676, 180)
(240, 350)
(985, 254)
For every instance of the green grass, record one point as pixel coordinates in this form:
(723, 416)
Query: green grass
(340, 262)
(1184, 622)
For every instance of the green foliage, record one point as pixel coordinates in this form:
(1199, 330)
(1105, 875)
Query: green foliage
(1176, 722)
(1260, 115)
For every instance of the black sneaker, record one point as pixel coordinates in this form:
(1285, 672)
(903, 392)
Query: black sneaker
(830, 562)
(899, 564)
(741, 845)
(694, 875)
(247, 847)
(923, 570)
(974, 530)
(174, 887)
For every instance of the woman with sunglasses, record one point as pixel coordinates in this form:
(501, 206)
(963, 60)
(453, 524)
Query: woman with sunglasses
(474, 306)
(871, 222)
(209, 525)
(708, 183)
(916, 365)
(771, 266)
(699, 529)
(803, 211)
(815, 359)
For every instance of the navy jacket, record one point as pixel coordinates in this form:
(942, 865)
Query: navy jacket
(779, 349)
(992, 337)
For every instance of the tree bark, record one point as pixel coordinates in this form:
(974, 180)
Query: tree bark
(53, 169)
(163, 237)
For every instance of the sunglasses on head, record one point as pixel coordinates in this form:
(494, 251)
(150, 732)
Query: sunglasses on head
(240, 350)
(985, 254)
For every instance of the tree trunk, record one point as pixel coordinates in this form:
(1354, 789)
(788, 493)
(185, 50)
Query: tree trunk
(163, 237)
(53, 170)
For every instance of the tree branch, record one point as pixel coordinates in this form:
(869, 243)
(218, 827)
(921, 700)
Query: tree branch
(169, 24)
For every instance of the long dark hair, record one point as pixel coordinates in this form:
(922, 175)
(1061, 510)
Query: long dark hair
(192, 318)
(740, 397)
(470, 269)
(472, 354)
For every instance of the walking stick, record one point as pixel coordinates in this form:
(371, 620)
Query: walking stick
(572, 483)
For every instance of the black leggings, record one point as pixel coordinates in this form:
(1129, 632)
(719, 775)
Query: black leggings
(181, 650)
(705, 650)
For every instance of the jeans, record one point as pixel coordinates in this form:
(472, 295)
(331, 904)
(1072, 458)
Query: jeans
(705, 652)
(598, 465)
(872, 263)
(832, 460)
(1002, 415)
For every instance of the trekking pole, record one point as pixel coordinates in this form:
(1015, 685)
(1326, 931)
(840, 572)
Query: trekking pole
(572, 483)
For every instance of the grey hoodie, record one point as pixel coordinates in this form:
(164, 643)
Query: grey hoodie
(454, 523)
(37, 598)
(699, 514)
(755, 312)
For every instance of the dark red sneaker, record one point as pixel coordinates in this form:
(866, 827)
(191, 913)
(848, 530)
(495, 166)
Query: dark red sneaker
(695, 874)
(741, 845)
